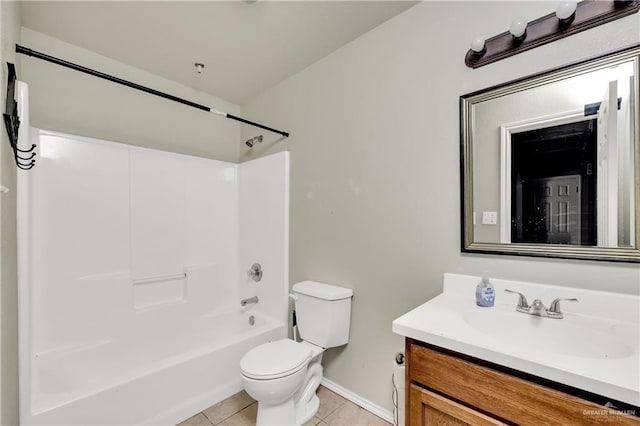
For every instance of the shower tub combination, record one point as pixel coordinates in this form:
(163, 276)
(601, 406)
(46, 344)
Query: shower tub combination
(132, 266)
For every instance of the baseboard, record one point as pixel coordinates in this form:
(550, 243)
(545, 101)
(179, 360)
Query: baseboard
(358, 400)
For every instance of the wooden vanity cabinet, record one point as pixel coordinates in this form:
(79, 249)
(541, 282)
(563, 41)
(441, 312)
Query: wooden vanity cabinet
(445, 388)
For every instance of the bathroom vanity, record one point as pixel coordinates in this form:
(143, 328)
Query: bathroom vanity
(491, 366)
(449, 388)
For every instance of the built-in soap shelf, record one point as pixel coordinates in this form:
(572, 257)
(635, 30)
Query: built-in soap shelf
(161, 290)
(169, 289)
(160, 279)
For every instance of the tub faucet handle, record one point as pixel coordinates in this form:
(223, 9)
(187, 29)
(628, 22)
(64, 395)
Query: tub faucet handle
(255, 273)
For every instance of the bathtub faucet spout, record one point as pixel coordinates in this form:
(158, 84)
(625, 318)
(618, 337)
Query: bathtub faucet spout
(245, 302)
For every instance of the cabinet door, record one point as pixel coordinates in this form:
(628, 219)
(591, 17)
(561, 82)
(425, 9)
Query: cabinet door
(429, 409)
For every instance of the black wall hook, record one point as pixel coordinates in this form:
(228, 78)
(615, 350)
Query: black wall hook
(24, 157)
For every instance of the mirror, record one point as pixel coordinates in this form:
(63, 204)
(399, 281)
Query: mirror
(550, 163)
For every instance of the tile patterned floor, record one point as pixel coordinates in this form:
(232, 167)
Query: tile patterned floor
(241, 410)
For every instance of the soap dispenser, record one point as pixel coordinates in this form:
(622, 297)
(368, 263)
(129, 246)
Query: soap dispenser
(485, 294)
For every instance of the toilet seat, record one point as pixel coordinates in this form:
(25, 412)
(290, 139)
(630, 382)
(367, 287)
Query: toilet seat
(275, 359)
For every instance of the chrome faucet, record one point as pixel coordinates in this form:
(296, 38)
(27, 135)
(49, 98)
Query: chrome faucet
(537, 308)
(245, 302)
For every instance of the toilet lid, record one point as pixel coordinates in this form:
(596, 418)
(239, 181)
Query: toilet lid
(275, 359)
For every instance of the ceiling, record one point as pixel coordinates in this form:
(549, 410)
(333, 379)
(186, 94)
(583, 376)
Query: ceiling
(247, 47)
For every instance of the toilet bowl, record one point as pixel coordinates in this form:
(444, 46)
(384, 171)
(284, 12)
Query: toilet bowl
(283, 375)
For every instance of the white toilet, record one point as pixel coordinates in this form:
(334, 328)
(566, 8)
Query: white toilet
(283, 375)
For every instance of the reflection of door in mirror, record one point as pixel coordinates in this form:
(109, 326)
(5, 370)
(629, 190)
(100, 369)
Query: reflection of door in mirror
(551, 211)
(553, 183)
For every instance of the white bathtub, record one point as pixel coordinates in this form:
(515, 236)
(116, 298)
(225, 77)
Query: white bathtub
(162, 379)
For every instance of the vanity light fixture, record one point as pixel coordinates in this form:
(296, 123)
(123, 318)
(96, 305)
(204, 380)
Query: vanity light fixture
(570, 17)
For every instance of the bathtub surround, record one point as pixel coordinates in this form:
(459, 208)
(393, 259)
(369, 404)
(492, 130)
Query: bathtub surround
(375, 196)
(131, 276)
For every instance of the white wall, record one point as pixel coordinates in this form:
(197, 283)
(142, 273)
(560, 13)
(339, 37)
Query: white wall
(69, 101)
(375, 169)
(9, 35)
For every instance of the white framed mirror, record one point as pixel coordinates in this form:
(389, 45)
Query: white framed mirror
(550, 163)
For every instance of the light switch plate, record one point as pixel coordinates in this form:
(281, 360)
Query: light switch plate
(489, 218)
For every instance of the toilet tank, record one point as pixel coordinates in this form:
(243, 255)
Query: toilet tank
(323, 313)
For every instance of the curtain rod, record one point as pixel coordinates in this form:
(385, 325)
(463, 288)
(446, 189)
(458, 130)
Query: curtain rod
(30, 52)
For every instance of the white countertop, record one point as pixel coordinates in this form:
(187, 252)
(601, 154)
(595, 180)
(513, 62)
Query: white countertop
(594, 348)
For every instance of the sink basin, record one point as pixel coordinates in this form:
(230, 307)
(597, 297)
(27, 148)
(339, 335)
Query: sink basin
(572, 336)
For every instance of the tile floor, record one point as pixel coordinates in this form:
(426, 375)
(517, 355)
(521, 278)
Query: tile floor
(240, 410)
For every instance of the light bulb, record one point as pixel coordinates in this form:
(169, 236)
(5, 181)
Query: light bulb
(518, 27)
(566, 10)
(478, 44)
